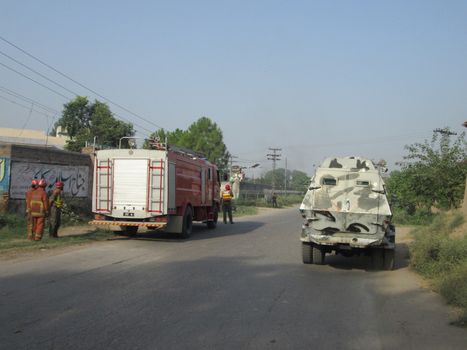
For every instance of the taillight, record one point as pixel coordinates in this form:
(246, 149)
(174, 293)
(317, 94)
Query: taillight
(99, 217)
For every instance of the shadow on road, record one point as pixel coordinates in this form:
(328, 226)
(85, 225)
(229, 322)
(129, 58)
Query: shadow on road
(363, 262)
(200, 232)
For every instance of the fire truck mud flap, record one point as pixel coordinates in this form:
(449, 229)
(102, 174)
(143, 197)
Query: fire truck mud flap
(175, 224)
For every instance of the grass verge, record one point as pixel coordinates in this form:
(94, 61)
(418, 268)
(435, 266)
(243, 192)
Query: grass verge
(282, 201)
(442, 259)
(243, 210)
(13, 237)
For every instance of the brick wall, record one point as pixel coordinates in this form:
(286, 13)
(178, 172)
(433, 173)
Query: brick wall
(28, 161)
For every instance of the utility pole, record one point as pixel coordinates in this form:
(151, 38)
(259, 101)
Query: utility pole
(274, 156)
(285, 177)
(231, 164)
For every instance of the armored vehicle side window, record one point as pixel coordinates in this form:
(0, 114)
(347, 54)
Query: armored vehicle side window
(363, 183)
(329, 181)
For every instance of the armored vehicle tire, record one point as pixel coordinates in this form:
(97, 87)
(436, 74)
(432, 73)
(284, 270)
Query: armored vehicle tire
(377, 259)
(389, 259)
(318, 255)
(307, 255)
(212, 224)
(129, 230)
(187, 226)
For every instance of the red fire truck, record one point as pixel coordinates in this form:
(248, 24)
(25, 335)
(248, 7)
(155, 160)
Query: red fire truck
(164, 188)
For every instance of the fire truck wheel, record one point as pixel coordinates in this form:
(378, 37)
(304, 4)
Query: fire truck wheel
(212, 224)
(187, 223)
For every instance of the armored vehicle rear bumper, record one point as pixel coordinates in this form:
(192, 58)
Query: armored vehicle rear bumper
(348, 239)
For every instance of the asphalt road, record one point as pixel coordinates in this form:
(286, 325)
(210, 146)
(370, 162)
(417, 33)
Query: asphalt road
(241, 286)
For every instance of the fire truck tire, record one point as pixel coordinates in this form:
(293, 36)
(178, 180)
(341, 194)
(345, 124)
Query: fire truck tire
(187, 223)
(212, 224)
(129, 230)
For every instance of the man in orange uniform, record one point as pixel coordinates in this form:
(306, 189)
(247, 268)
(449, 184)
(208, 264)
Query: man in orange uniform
(38, 205)
(33, 187)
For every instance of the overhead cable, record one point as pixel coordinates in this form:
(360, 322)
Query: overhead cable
(38, 73)
(44, 86)
(78, 83)
(27, 99)
(27, 107)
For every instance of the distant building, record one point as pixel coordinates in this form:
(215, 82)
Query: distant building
(32, 137)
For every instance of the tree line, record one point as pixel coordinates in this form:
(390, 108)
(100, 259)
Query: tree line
(431, 175)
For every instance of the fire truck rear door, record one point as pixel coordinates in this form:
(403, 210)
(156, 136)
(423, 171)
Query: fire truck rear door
(130, 183)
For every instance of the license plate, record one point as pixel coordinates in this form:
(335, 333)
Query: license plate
(128, 214)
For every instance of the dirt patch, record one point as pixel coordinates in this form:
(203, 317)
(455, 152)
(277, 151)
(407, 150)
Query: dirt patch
(403, 234)
(76, 230)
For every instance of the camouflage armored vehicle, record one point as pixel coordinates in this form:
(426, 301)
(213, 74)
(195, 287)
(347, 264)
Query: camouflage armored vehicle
(346, 210)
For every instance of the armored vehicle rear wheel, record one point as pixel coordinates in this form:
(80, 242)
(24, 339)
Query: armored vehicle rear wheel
(318, 255)
(377, 259)
(307, 256)
(389, 259)
(187, 223)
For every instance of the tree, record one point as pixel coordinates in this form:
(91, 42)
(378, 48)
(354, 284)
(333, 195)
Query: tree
(171, 137)
(432, 173)
(202, 136)
(296, 180)
(84, 121)
(299, 181)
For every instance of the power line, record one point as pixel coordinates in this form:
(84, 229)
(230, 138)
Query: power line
(78, 83)
(27, 99)
(27, 107)
(38, 73)
(44, 86)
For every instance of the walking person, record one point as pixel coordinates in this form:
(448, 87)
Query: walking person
(226, 197)
(38, 206)
(29, 232)
(55, 205)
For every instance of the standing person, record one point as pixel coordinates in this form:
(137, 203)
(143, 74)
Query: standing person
(33, 187)
(226, 197)
(274, 200)
(55, 205)
(38, 205)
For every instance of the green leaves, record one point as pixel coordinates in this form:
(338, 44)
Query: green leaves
(202, 136)
(84, 121)
(433, 173)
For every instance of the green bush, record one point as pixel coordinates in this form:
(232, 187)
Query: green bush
(12, 225)
(419, 217)
(73, 213)
(438, 256)
(11, 220)
(456, 221)
(453, 287)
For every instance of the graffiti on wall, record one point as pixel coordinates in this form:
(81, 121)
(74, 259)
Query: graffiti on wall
(75, 178)
(4, 174)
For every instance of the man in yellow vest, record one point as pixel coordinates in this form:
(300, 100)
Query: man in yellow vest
(56, 205)
(226, 197)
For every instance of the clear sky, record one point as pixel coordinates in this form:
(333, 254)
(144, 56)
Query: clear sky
(315, 78)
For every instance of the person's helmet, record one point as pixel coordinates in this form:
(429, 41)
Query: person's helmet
(34, 182)
(59, 184)
(227, 187)
(42, 183)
